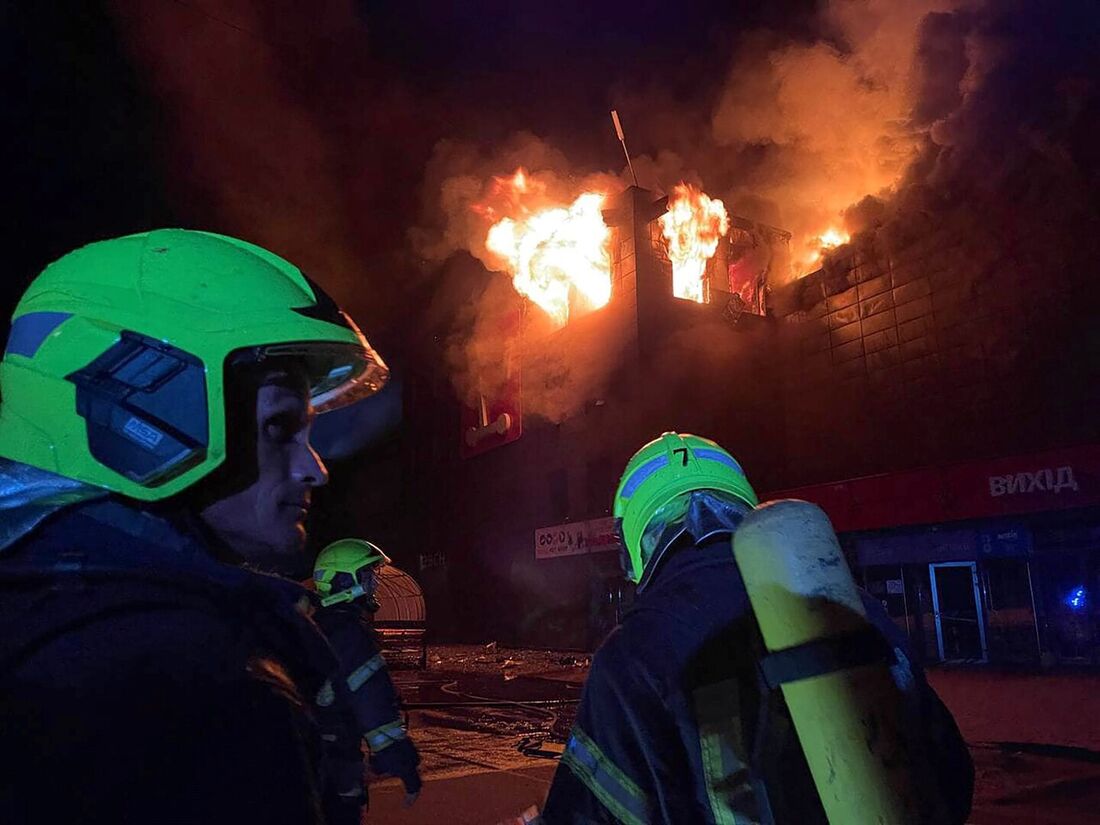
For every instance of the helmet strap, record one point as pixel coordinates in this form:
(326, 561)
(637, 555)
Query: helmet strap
(348, 595)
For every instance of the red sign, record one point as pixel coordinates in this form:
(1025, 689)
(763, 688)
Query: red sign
(1055, 480)
(496, 417)
(576, 539)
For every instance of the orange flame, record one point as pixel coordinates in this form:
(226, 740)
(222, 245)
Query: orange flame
(692, 226)
(833, 237)
(555, 253)
(829, 239)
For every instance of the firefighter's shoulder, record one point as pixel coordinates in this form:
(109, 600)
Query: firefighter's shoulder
(635, 651)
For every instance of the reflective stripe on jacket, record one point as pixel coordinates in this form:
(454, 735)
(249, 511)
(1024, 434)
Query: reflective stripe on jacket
(675, 724)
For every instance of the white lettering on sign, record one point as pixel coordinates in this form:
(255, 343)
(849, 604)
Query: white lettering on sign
(1064, 478)
(575, 539)
(1046, 480)
(431, 560)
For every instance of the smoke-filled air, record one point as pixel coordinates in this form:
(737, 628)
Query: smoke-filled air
(812, 134)
(824, 123)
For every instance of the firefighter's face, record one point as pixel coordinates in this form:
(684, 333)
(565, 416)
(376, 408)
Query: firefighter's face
(263, 519)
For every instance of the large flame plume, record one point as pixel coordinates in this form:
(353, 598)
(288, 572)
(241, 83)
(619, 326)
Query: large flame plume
(818, 245)
(692, 226)
(558, 255)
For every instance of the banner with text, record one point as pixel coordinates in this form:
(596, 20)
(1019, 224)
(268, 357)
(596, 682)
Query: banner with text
(576, 538)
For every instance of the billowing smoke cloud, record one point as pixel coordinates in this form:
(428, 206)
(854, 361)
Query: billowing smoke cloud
(800, 132)
(1005, 95)
(874, 116)
(467, 190)
(997, 215)
(830, 121)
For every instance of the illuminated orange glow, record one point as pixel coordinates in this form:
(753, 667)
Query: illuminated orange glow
(829, 239)
(692, 226)
(556, 253)
(833, 237)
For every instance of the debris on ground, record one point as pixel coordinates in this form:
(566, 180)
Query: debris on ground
(541, 748)
(575, 661)
(495, 658)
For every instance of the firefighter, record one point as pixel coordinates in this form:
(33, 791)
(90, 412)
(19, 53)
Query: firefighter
(677, 723)
(158, 391)
(361, 702)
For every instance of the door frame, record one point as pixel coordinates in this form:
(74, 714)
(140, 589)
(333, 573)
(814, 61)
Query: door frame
(978, 606)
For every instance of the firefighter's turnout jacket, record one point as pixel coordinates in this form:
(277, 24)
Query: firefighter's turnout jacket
(360, 705)
(141, 680)
(676, 725)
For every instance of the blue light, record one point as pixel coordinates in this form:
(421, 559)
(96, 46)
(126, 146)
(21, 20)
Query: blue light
(1078, 598)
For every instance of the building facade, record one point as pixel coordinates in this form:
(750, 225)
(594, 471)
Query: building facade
(926, 362)
(515, 483)
(985, 561)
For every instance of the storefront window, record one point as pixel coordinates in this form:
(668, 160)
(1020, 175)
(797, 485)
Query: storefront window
(1011, 618)
(1066, 584)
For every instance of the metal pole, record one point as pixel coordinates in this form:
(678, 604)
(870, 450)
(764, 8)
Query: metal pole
(980, 609)
(622, 140)
(905, 603)
(1034, 613)
(936, 609)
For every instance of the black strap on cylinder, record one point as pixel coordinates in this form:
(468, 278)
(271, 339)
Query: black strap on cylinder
(821, 656)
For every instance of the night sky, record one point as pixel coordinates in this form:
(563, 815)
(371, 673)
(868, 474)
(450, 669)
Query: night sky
(100, 136)
(310, 129)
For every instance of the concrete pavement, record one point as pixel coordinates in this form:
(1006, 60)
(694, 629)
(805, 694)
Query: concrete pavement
(476, 798)
(478, 776)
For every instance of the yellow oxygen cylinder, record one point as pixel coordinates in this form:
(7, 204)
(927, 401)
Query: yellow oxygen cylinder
(842, 699)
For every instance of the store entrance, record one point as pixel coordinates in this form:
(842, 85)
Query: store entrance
(956, 603)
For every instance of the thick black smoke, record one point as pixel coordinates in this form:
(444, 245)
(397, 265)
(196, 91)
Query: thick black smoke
(901, 118)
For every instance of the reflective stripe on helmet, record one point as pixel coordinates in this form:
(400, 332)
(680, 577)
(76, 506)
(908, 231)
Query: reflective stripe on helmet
(361, 674)
(719, 456)
(616, 791)
(385, 735)
(30, 330)
(641, 474)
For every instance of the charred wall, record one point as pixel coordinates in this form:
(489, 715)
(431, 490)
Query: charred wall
(931, 347)
(646, 363)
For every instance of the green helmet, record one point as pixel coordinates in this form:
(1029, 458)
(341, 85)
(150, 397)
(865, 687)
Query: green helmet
(114, 372)
(662, 470)
(337, 571)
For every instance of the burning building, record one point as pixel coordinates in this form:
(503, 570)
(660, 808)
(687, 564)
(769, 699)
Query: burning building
(582, 373)
(904, 353)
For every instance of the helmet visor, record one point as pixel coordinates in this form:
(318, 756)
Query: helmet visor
(339, 374)
(625, 561)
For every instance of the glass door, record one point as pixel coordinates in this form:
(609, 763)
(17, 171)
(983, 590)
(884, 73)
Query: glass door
(956, 603)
